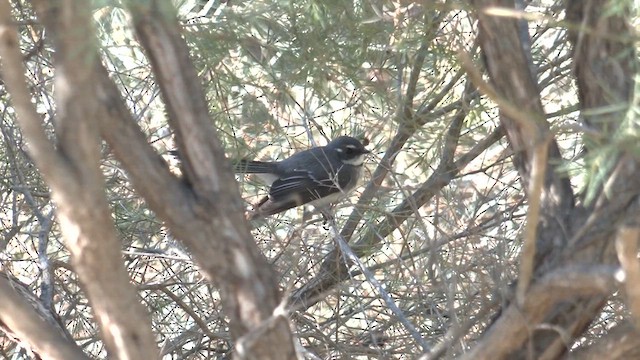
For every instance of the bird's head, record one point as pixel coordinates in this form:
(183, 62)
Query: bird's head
(350, 150)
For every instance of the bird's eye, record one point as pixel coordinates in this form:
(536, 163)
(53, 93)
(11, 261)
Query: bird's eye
(350, 149)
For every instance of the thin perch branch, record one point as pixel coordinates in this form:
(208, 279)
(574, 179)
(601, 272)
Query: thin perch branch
(527, 258)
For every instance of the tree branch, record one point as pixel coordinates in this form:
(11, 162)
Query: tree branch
(521, 112)
(519, 322)
(620, 343)
(627, 249)
(28, 320)
(75, 179)
(195, 210)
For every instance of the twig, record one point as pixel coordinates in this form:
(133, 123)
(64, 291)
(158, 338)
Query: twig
(346, 250)
(536, 182)
(456, 332)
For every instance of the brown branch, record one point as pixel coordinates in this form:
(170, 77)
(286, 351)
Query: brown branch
(619, 343)
(75, 179)
(204, 210)
(527, 257)
(627, 250)
(201, 153)
(245, 274)
(604, 61)
(554, 288)
(516, 92)
(26, 318)
(514, 85)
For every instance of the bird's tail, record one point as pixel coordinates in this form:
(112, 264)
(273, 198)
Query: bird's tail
(253, 167)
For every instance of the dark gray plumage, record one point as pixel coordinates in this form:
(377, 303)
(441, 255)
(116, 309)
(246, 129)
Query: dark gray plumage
(319, 176)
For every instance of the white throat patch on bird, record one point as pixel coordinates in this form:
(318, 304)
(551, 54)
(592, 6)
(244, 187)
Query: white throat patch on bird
(357, 161)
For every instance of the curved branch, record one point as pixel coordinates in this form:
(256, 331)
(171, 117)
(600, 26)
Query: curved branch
(74, 176)
(33, 324)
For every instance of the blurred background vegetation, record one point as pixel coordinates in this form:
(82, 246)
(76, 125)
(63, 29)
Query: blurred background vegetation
(281, 76)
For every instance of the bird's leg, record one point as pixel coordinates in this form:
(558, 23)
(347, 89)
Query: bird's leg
(306, 214)
(327, 215)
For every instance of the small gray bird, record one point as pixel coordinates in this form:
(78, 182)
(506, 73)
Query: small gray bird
(319, 176)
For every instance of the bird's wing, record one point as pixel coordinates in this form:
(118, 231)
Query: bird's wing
(304, 186)
(298, 187)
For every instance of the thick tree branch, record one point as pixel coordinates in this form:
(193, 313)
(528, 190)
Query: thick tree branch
(28, 320)
(521, 112)
(620, 343)
(554, 288)
(566, 236)
(202, 155)
(604, 61)
(205, 211)
(75, 179)
(206, 167)
(627, 250)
